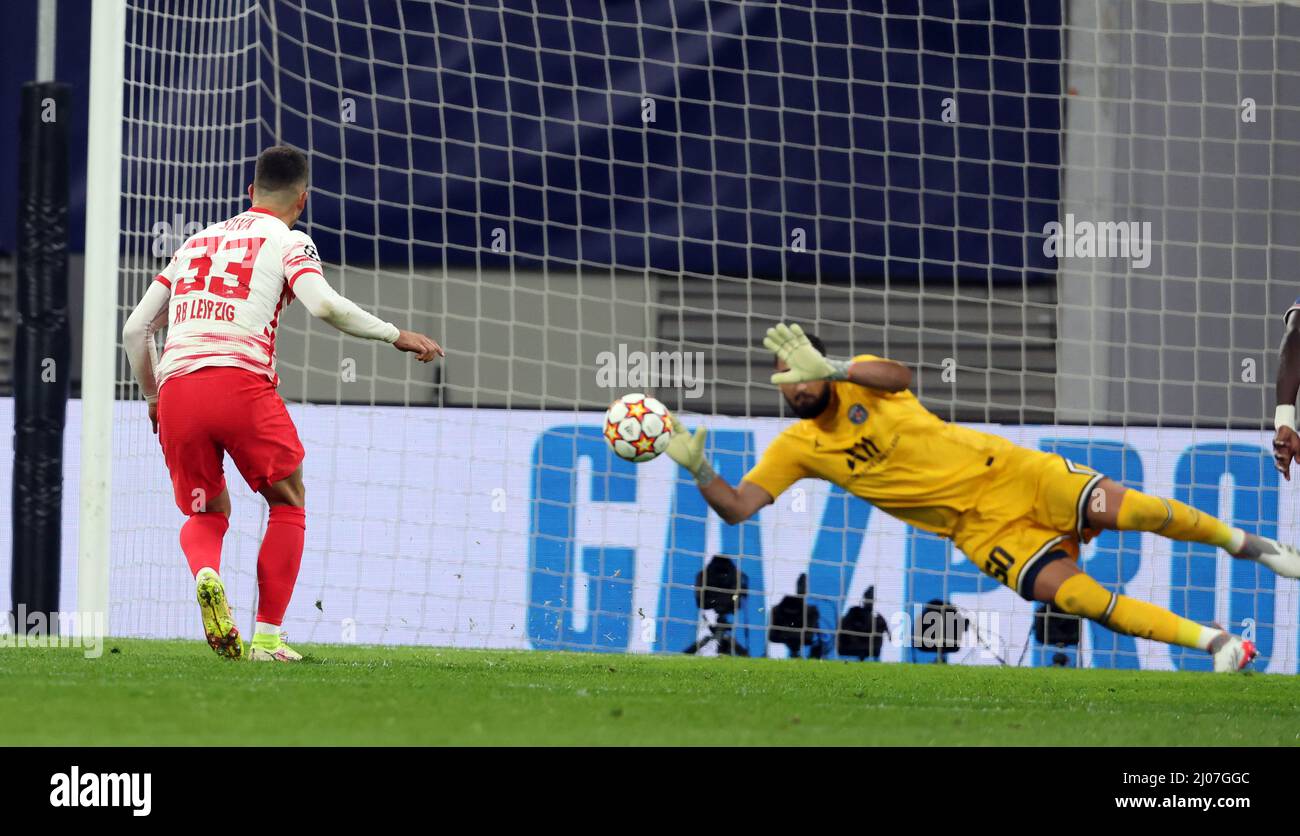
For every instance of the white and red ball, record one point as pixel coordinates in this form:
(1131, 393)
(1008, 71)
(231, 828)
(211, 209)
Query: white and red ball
(638, 427)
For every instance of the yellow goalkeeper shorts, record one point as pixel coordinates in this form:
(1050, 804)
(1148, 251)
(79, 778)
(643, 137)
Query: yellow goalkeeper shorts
(1031, 507)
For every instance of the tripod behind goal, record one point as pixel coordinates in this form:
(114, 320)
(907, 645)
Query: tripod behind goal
(721, 587)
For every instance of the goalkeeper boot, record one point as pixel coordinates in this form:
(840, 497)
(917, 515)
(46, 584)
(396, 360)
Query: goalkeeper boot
(218, 624)
(270, 647)
(1234, 655)
(1282, 558)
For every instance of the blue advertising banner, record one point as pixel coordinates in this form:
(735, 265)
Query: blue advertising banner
(521, 529)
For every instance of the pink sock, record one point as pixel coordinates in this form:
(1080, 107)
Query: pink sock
(278, 561)
(201, 537)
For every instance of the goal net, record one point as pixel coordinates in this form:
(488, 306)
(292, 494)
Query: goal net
(1075, 221)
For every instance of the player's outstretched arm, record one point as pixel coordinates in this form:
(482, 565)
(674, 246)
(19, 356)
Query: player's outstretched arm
(1286, 443)
(806, 363)
(327, 304)
(733, 505)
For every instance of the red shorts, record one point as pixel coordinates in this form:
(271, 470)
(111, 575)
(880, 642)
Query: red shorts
(216, 410)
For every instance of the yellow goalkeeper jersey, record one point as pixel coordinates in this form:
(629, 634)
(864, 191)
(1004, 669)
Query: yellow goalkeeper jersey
(888, 449)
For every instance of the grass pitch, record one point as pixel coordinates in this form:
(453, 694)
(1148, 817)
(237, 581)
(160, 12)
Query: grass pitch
(153, 692)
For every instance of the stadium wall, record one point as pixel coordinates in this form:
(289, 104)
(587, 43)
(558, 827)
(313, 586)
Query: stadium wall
(514, 529)
(531, 340)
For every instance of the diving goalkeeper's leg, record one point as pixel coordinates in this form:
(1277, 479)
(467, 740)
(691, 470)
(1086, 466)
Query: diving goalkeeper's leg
(1062, 584)
(1113, 506)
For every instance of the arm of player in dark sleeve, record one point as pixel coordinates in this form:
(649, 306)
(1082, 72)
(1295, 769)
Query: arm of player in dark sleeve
(1286, 443)
(885, 375)
(1288, 369)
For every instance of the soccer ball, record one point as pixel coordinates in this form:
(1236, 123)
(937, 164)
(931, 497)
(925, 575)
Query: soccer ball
(638, 427)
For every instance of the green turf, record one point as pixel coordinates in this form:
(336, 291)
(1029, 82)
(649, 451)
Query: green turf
(179, 693)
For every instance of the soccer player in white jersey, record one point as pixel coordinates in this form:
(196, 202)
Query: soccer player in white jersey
(213, 391)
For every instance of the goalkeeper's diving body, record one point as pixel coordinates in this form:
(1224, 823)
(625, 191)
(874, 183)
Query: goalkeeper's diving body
(213, 391)
(1018, 514)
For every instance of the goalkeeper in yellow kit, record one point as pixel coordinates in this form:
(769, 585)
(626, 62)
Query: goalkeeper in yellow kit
(1018, 514)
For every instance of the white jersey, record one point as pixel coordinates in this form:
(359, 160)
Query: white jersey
(228, 285)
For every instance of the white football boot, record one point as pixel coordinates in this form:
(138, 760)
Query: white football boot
(1236, 654)
(261, 649)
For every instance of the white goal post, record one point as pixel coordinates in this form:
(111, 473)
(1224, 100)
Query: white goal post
(99, 333)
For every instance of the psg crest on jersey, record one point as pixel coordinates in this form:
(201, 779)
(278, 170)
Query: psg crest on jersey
(857, 414)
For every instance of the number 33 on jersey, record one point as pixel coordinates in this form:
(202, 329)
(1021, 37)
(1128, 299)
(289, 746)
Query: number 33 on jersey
(228, 285)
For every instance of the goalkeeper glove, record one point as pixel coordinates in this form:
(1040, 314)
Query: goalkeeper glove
(688, 451)
(806, 362)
